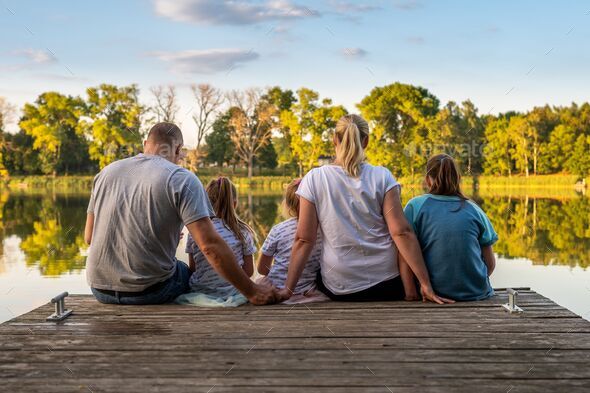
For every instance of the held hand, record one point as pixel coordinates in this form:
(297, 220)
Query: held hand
(264, 294)
(285, 294)
(428, 295)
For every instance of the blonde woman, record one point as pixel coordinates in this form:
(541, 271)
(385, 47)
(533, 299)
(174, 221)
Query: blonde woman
(357, 206)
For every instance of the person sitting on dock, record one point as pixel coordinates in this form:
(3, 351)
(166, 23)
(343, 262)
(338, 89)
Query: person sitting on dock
(273, 263)
(207, 287)
(456, 236)
(137, 209)
(358, 208)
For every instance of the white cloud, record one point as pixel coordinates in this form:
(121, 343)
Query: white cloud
(415, 40)
(37, 56)
(208, 61)
(231, 12)
(345, 7)
(353, 53)
(407, 5)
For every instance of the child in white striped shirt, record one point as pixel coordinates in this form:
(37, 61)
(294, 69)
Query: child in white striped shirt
(277, 247)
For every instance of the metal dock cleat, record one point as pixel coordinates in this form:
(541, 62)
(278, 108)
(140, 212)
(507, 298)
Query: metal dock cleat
(60, 308)
(511, 306)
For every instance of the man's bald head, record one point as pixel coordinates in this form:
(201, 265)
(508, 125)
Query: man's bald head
(164, 139)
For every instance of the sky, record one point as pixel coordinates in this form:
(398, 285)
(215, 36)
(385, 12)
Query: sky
(502, 54)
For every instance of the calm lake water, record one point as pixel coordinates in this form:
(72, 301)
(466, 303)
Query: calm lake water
(544, 243)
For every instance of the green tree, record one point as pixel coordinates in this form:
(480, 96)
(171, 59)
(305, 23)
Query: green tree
(497, 150)
(220, 148)
(114, 122)
(543, 121)
(400, 115)
(53, 123)
(579, 162)
(282, 100)
(6, 113)
(310, 124)
(18, 155)
(520, 133)
(267, 157)
(471, 138)
(558, 149)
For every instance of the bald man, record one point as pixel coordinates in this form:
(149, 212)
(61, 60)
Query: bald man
(135, 215)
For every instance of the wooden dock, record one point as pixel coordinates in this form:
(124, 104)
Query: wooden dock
(325, 347)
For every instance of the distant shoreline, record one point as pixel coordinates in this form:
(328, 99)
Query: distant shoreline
(481, 184)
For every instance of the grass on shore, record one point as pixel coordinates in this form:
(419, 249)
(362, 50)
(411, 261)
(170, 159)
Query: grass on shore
(277, 182)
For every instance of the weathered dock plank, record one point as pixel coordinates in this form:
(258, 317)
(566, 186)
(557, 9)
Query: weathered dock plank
(325, 347)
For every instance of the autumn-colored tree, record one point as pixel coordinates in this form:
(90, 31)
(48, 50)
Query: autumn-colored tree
(252, 121)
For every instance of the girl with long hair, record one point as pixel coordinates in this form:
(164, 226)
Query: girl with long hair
(455, 236)
(239, 237)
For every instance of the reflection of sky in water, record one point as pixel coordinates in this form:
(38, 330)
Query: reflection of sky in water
(34, 270)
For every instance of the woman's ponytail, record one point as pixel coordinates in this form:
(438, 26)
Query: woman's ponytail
(351, 131)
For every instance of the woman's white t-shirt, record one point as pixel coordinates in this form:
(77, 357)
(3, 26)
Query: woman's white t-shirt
(357, 249)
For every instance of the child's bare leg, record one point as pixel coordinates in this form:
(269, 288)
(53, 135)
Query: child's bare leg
(408, 279)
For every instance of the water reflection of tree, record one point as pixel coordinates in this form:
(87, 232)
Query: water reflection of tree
(52, 249)
(51, 229)
(547, 231)
(3, 199)
(260, 212)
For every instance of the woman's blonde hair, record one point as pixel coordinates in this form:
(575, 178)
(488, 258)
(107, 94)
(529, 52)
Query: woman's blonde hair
(223, 196)
(291, 201)
(351, 131)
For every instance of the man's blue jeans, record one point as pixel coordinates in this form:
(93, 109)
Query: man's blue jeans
(165, 292)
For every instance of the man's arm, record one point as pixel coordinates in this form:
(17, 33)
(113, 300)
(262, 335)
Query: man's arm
(89, 227)
(224, 262)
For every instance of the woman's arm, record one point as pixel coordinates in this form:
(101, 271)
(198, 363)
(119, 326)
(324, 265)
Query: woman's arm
(407, 243)
(264, 264)
(89, 227)
(248, 265)
(407, 279)
(305, 238)
(489, 258)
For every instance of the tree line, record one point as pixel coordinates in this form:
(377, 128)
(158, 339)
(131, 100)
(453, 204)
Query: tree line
(276, 127)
